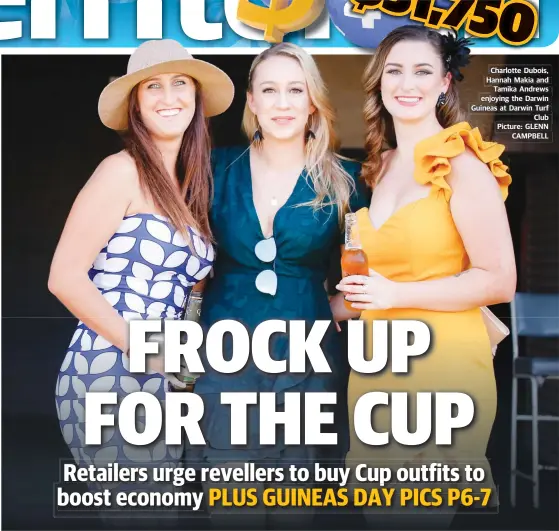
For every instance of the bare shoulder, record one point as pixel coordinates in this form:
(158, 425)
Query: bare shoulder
(386, 154)
(468, 170)
(117, 170)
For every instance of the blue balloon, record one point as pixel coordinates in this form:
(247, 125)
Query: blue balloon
(368, 29)
(365, 30)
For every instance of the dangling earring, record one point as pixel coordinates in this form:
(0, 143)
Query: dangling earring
(257, 137)
(441, 102)
(310, 135)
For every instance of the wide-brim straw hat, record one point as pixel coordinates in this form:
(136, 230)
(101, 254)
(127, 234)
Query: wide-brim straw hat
(164, 56)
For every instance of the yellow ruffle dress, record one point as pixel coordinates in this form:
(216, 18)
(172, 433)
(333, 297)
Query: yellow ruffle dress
(420, 242)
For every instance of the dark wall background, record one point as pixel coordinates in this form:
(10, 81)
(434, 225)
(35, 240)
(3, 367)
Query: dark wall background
(52, 142)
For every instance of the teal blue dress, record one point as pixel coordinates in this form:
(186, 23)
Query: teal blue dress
(305, 240)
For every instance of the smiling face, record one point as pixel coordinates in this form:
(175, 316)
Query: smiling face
(167, 103)
(279, 97)
(412, 80)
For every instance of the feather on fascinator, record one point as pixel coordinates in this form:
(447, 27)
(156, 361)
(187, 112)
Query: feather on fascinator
(456, 53)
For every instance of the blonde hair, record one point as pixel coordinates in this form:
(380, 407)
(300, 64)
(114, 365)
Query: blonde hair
(333, 185)
(378, 121)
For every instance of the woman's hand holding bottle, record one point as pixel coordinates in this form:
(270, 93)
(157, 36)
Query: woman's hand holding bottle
(373, 292)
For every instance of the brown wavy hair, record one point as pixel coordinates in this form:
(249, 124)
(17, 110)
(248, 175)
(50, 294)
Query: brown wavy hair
(188, 206)
(379, 125)
(332, 183)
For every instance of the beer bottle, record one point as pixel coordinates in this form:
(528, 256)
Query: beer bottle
(354, 259)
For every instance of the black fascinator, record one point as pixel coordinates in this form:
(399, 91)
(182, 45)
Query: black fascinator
(456, 54)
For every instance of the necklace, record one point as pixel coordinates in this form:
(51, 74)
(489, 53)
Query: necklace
(274, 201)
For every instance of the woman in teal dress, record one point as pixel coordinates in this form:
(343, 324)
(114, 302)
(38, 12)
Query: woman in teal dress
(277, 217)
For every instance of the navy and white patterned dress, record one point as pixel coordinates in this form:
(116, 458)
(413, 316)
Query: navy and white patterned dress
(146, 270)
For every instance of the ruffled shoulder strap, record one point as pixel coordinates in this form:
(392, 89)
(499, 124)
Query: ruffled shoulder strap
(432, 164)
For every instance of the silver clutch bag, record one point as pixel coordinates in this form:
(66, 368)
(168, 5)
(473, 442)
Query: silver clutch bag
(192, 312)
(193, 307)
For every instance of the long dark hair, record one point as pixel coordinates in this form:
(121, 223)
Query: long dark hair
(190, 205)
(378, 121)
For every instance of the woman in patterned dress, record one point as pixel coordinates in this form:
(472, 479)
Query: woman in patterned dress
(142, 221)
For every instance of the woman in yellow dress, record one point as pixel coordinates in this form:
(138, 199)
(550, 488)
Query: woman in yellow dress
(437, 239)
